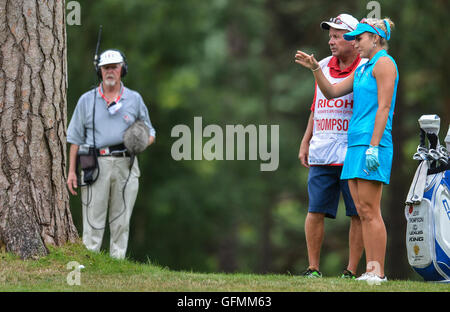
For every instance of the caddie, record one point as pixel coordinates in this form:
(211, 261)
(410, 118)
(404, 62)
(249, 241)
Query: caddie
(98, 124)
(324, 146)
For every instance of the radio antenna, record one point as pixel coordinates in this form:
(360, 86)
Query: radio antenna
(96, 48)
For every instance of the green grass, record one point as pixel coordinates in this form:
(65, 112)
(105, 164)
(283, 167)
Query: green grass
(102, 273)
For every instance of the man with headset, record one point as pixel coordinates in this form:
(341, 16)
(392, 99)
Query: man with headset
(107, 111)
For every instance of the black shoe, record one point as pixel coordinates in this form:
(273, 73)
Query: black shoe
(312, 273)
(348, 274)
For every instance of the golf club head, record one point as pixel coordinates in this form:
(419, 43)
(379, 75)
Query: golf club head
(443, 161)
(433, 154)
(419, 157)
(442, 150)
(421, 153)
(443, 158)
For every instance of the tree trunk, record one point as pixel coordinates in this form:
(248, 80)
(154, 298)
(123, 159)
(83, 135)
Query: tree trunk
(34, 202)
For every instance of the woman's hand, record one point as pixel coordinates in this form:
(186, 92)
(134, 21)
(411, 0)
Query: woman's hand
(372, 162)
(306, 60)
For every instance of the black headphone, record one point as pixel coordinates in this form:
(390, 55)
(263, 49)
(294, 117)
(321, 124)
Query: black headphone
(124, 69)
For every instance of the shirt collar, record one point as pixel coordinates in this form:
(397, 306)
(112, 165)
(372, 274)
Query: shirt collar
(337, 72)
(377, 55)
(123, 90)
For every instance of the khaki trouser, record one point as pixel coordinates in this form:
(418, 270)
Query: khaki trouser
(106, 193)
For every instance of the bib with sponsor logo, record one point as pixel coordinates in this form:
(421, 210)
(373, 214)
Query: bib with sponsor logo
(328, 144)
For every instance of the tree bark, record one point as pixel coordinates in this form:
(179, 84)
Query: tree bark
(34, 201)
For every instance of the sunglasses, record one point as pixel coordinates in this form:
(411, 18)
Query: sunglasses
(337, 20)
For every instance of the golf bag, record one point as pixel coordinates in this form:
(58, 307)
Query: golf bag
(427, 209)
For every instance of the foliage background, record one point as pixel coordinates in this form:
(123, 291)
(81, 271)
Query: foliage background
(232, 62)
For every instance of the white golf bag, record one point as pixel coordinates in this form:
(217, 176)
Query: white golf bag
(427, 209)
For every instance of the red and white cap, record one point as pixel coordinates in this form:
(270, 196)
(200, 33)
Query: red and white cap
(342, 21)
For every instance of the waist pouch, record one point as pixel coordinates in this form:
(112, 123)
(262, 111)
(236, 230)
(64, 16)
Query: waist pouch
(87, 162)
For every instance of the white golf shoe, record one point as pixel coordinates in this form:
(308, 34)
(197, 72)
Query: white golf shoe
(372, 279)
(364, 277)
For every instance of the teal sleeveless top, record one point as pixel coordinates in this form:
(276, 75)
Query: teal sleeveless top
(365, 97)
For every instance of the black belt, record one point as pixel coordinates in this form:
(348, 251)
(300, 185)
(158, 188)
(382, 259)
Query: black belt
(115, 151)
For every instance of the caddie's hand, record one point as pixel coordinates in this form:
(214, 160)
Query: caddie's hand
(372, 162)
(303, 154)
(72, 182)
(306, 60)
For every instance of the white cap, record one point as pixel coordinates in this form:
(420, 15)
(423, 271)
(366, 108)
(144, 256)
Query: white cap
(110, 57)
(342, 21)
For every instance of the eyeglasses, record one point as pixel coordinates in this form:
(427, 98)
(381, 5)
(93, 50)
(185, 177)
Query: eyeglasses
(364, 21)
(337, 20)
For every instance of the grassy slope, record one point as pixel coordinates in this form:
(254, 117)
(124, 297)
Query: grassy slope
(101, 273)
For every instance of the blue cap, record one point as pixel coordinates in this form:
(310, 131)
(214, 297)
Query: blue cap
(363, 27)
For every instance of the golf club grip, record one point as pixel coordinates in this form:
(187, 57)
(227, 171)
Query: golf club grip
(422, 137)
